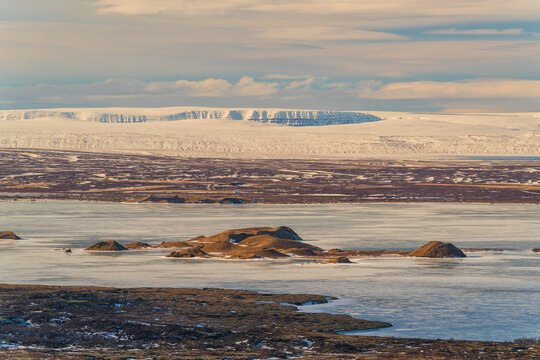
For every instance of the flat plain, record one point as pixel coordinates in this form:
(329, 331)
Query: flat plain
(71, 175)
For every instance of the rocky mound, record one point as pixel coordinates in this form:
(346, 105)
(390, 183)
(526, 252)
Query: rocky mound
(254, 242)
(303, 252)
(173, 244)
(106, 246)
(437, 249)
(137, 245)
(536, 250)
(339, 260)
(188, 253)
(256, 254)
(273, 242)
(8, 235)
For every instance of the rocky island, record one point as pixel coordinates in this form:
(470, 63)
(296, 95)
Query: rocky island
(8, 235)
(271, 243)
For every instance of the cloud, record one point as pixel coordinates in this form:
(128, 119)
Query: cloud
(475, 32)
(300, 83)
(473, 89)
(154, 7)
(212, 87)
(204, 88)
(322, 33)
(283, 77)
(315, 93)
(246, 86)
(415, 12)
(113, 90)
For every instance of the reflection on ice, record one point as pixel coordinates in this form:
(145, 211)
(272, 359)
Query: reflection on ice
(446, 264)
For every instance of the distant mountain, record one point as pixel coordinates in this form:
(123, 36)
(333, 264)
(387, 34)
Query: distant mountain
(275, 116)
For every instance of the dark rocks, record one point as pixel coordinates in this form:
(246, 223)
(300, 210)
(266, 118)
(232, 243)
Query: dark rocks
(205, 201)
(536, 250)
(339, 260)
(106, 246)
(174, 199)
(8, 235)
(232, 201)
(437, 249)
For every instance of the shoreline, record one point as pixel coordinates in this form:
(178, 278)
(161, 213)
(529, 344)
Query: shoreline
(9, 200)
(112, 323)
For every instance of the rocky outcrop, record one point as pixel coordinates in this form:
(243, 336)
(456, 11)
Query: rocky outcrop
(188, 253)
(137, 245)
(339, 260)
(536, 250)
(8, 235)
(232, 201)
(437, 249)
(303, 252)
(106, 246)
(174, 199)
(256, 242)
(256, 254)
(173, 244)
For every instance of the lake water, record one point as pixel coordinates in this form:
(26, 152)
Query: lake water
(486, 296)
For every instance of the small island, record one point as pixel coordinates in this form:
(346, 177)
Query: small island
(271, 243)
(8, 235)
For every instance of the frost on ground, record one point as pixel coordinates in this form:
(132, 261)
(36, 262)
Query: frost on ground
(260, 133)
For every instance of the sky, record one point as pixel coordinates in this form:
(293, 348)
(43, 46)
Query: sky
(395, 55)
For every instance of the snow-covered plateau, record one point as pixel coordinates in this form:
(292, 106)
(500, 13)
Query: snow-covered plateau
(263, 133)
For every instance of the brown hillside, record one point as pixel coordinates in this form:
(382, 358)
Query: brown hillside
(188, 253)
(107, 246)
(8, 235)
(173, 244)
(303, 252)
(256, 254)
(237, 235)
(137, 245)
(271, 242)
(250, 243)
(437, 249)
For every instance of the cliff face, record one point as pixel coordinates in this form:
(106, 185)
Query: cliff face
(275, 116)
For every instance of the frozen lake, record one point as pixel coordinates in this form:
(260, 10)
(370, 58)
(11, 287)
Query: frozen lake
(486, 296)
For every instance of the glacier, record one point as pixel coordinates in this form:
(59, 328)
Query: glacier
(286, 117)
(262, 133)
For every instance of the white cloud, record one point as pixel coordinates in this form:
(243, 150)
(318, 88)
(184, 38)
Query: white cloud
(246, 86)
(475, 32)
(207, 87)
(473, 89)
(300, 83)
